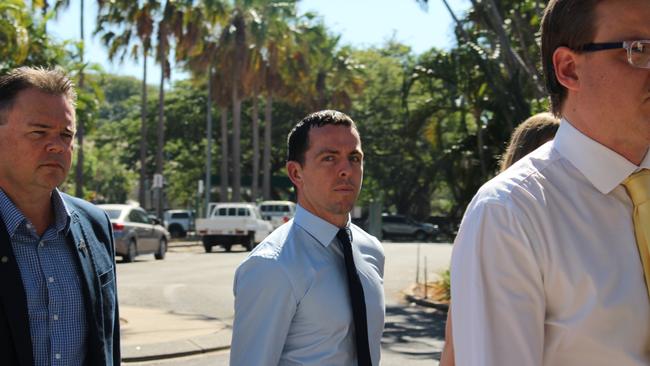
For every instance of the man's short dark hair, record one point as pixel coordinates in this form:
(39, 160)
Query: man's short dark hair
(298, 139)
(51, 81)
(566, 23)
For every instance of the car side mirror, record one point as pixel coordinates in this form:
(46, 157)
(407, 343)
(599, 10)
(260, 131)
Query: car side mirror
(155, 221)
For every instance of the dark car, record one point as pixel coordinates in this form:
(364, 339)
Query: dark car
(399, 226)
(135, 232)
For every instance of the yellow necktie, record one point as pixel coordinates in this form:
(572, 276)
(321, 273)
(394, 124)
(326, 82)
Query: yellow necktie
(638, 187)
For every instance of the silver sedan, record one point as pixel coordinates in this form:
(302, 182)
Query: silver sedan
(135, 233)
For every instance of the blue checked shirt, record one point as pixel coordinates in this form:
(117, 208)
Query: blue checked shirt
(53, 288)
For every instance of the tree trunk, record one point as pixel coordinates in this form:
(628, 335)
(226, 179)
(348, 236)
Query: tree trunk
(208, 161)
(79, 168)
(223, 184)
(266, 164)
(480, 143)
(236, 144)
(256, 149)
(143, 136)
(161, 137)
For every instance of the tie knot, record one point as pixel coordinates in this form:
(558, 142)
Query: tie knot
(344, 236)
(638, 186)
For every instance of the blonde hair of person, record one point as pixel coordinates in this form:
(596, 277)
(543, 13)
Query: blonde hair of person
(528, 136)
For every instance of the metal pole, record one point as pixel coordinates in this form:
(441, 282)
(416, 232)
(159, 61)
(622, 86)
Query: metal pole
(417, 266)
(208, 163)
(425, 278)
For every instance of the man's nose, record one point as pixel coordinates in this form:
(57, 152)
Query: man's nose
(344, 168)
(57, 145)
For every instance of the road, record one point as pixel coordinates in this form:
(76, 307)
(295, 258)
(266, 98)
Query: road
(191, 282)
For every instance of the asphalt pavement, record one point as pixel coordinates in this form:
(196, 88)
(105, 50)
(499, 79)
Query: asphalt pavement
(158, 334)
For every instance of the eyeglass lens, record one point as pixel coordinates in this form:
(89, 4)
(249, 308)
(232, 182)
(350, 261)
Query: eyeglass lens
(639, 54)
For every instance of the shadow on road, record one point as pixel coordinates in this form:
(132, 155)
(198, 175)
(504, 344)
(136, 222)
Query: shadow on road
(414, 331)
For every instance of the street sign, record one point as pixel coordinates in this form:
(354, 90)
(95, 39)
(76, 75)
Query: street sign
(157, 181)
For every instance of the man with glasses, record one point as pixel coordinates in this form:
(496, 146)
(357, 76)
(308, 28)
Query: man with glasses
(550, 263)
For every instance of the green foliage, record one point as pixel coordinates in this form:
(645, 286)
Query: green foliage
(24, 39)
(433, 125)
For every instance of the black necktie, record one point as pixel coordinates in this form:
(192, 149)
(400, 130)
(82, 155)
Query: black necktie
(358, 301)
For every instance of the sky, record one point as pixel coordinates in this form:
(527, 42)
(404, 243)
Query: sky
(361, 23)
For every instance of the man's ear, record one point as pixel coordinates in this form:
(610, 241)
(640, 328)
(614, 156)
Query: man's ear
(565, 63)
(294, 170)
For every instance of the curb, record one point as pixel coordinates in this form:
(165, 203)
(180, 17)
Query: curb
(217, 341)
(427, 302)
(175, 243)
(410, 297)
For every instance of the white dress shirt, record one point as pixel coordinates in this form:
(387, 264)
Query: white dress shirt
(545, 267)
(292, 305)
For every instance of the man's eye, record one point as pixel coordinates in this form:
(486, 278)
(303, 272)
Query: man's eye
(355, 159)
(67, 136)
(37, 133)
(328, 158)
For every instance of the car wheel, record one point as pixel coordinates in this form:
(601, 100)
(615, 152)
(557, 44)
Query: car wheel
(162, 249)
(176, 231)
(207, 244)
(227, 247)
(420, 236)
(131, 252)
(250, 242)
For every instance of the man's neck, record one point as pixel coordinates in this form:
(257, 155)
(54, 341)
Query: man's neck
(632, 151)
(36, 207)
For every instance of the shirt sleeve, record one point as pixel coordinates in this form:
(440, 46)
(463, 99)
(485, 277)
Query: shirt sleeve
(264, 308)
(497, 290)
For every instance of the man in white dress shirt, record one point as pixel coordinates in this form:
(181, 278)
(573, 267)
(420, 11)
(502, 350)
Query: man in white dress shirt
(294, 303)
(546, 269)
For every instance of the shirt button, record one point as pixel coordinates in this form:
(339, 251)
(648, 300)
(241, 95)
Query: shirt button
(50, 279)
(55, 317)
(4, 259)
(57, 356)
(42, 243)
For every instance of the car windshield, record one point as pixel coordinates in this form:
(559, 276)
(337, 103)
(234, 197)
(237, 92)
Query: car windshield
(113, 214)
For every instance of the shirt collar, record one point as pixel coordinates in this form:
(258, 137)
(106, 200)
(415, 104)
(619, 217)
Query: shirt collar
(12, 216)
(603, 167)
(321, 230)
(62, 215)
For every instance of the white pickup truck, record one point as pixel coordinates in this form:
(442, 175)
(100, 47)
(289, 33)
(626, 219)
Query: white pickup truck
(232, 223)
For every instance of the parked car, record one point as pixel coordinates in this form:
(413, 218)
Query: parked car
(278, 212)
(232, 223)
(399, 226)
(178, 222)
(135, 232)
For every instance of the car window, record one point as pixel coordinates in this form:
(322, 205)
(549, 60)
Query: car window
(180, 215)
(138, 216)
(222, 211)
(265, 208)
(242, 211)
(113, 214)
(134, 217)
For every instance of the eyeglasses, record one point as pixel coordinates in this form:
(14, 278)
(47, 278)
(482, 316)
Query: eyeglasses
(638, 52)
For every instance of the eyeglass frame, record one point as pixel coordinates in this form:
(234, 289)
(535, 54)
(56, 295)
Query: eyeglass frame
(626, 45)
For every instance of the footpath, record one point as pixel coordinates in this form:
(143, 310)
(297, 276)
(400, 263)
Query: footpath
(154, 334)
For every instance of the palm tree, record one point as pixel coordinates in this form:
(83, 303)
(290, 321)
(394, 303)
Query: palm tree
(197, 48)
(136, 23)
(273, 35)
